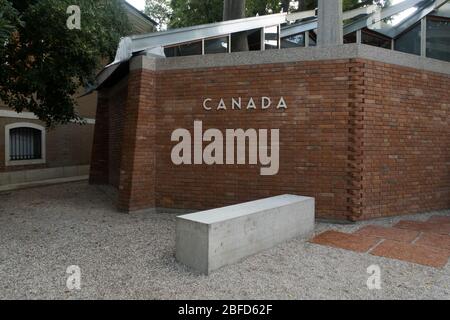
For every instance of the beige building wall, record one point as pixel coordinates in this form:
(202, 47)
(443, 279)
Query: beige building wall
(66, 152)
(67, 147)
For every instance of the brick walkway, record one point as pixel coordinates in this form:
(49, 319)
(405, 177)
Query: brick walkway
(426, 243)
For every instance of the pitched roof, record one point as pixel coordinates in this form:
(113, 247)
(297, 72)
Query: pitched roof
(140, 22)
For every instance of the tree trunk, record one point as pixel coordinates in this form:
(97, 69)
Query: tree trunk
(304, 5)
(285, 5)
(235, 9)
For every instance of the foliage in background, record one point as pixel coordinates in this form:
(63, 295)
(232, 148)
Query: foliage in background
(43, 63)
(194, 12)
(8, 17)
(160, 11)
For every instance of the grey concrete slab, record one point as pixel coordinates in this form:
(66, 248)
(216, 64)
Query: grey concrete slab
(211, 239)
(339, 52)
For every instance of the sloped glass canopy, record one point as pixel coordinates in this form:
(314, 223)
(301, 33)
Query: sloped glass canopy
(412, 26)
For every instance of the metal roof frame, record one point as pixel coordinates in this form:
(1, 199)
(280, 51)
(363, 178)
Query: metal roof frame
(425, 7)
(372, 15)
(294, 23)
(298, 28)
(416, 17)
(130, 45)
(379, 15)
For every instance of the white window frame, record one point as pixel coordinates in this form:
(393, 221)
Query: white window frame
(16, 125)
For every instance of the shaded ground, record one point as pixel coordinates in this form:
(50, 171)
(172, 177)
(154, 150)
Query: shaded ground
(45, 230)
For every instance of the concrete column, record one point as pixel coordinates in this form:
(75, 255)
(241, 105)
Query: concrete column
(330, 27)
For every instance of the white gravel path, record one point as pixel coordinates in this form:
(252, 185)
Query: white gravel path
(44, 230)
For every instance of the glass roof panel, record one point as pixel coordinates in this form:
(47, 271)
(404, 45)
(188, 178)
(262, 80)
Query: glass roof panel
(394, 25)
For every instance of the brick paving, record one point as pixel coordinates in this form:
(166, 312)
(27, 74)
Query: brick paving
(346, 241)
(425, 243)
(434, 240)
(441, 228)
(424, 255)
(439, 219)
(388, 233)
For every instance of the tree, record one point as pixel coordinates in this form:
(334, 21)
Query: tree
(235, 9)
(347, 4)
(262, 7)
(286, 5)
(187, 13)
(304, 5)
(193, 12)
(160, 11)
(43, 62)
(7, 17)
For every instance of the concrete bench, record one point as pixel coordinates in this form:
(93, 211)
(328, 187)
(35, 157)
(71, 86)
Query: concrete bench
(208, 240)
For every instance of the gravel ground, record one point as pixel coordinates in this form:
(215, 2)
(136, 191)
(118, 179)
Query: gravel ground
(45, 230)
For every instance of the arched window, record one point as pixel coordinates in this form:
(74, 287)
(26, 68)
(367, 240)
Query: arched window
(24, 144)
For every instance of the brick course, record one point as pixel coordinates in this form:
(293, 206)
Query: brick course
(366, 139)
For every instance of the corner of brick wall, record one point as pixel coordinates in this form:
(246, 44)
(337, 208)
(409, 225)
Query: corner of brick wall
(137, 165)
(356, 140)
(406, 141)
(392, 132)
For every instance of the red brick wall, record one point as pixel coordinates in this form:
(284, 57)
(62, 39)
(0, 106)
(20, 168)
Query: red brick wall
(99, 173)
(116, 117)
(338, 139)
(106, 153)
(137, 164)
(313, 133)
(406, 150)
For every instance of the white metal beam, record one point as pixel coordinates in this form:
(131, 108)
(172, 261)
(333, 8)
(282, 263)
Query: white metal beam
(132, 44)
(377, 16)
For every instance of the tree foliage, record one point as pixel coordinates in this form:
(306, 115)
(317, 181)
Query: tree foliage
(43, 62)
(193, 12)
(8, 17)
(262, 7)
(160, 11)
